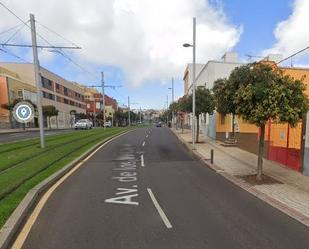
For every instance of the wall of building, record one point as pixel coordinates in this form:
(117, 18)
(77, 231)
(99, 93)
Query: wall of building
(63, 94)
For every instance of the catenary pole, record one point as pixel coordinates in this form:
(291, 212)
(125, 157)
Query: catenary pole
(103, 98)
(129, 111)
(173, 114)
(38, 79)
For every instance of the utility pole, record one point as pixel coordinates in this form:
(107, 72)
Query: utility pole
(166, 109)
(129, 111)
(140, 114)
(193, 95)
(37, 79)
(173, 114)
(103, 98)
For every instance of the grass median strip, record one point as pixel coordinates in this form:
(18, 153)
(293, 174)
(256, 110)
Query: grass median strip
(20, 176)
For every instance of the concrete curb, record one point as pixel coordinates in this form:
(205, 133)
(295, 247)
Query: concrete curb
(242, 184)
(24, 209)
(31, 130)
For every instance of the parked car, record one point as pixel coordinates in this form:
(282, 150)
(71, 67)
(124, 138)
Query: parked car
(159, 124)
(83, 124)
(108, 124)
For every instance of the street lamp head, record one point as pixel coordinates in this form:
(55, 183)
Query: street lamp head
(186, 45)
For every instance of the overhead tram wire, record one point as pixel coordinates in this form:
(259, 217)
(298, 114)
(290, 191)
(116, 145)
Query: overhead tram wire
(291, 56)
(14, 55)
(52, 31)
(15, 33)
(59, 51)
(10, 29)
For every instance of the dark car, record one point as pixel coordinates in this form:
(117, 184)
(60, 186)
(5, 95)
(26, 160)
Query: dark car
(159, 124)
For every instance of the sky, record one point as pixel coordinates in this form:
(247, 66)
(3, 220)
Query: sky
(138, 43)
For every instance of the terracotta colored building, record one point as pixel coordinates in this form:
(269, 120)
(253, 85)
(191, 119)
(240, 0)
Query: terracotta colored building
(283, 143)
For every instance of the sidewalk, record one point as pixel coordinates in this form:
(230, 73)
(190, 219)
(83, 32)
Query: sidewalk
(291, 197)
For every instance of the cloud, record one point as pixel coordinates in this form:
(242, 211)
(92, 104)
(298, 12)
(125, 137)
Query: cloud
(142, 37)
(292, 34)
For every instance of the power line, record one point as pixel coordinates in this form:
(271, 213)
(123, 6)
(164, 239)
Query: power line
(38, 46)
(291, 56)
(4, 6)
(54, 32)
(8, 30)
(52, 46)
(15, 33)
(14, 55)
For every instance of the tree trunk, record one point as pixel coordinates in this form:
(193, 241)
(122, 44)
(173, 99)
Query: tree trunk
(57, 121)
(181, 126)
(233, 125)
(197, 127)
(49, 122)
(260, 155)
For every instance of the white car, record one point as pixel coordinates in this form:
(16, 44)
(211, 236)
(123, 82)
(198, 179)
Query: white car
(108, 124)
(83, 124)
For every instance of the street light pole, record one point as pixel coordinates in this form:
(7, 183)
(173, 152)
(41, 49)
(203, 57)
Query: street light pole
(103, 98)
(193, 80)
(193, 94)
(129, 111)
(173, 114)
(37, 79)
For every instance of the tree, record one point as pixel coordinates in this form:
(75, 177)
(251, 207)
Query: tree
(204, 103)
(224, 94)
(263, 94)
(50, 111)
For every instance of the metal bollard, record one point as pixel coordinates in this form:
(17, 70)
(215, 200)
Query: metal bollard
(211, 156)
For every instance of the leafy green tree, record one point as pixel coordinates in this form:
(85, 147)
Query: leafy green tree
(224, 94)
(49, 111)
(204, 103)
(263, 94)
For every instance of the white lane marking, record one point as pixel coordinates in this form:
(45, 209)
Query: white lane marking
(142, 161)
(22, 236)
(159, 209)
(143, 143)
(146, 136)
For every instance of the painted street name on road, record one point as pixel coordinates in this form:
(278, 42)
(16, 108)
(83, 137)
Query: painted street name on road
(126, 173)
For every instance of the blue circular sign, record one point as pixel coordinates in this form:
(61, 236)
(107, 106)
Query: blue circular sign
(23, 112)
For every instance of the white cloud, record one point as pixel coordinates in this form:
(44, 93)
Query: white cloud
(142, 37)
(292, 34)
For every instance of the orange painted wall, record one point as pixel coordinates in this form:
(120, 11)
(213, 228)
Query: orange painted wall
(3, 99)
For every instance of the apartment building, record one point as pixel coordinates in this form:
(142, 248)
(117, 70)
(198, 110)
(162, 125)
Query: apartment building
(11, 88)
(65, 95)
(206, 75)
(94, 104)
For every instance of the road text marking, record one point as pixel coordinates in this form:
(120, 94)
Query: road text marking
(159, 209)
(142, 161)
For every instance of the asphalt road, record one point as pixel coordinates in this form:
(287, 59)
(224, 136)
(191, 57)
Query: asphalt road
(16, 136)
(117, 200)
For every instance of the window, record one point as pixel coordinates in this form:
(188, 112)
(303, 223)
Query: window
(59, 99)
(20, 94)
(57, 88)
(65, 90)
(66, 101)
(30, 96)
(46, 83)
(48, 95)
(72, 103)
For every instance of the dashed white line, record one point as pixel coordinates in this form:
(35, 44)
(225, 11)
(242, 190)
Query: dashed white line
(146, 136)
(159, 209)
(142, 161)
(143, 143)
